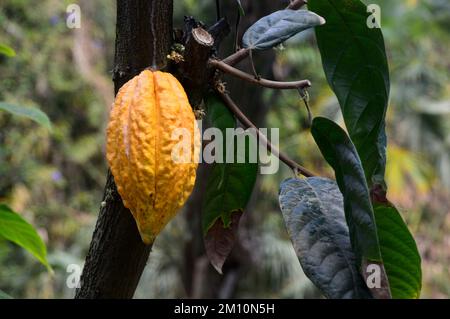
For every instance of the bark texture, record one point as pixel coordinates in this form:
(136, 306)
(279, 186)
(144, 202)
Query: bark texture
(117, 256)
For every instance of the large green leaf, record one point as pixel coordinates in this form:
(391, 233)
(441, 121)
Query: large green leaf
(228, 190)
(340, 153)
(355, 64)
(29, 112)
(6, 50)
(279, 26)
(313, 211)
(399, 251)
(17, 230)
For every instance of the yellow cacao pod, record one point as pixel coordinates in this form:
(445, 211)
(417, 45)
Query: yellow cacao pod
(140, 146)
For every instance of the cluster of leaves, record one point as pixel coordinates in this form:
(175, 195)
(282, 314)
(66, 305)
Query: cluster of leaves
(341, 229)
(416, 122)
(355, 65)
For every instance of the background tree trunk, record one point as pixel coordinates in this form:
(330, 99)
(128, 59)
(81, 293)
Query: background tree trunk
(117, 255)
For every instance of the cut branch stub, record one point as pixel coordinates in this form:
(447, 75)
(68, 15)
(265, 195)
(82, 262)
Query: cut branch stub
(193, 72)
(202, 37)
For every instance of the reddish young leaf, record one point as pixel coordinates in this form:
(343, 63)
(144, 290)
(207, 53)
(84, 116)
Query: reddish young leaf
(219, 240)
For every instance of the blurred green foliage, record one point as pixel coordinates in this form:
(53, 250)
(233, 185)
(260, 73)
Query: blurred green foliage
(15, 229)
(28, 112)
(7, 50)
(55, 179)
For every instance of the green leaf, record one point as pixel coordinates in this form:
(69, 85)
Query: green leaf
(313, 211)
(271, 30)
(340, 153)
(218, 115)
(6, 50)
(17, 230)
(399, 251)
(230, 184)
(355, 64)
(228, 189)
(30, 112)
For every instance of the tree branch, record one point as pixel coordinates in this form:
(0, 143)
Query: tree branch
(248, 124)
(237, 57)
(262, 82)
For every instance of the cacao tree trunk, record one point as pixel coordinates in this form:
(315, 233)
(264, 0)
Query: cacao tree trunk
(117, 255)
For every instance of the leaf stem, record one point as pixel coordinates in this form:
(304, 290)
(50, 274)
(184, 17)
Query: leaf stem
(231, 105)
(250, 55)
(262, 82)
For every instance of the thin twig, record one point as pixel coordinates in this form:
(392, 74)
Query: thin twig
(304, 95)
(263, 82)
(236, 57)
(250, 55)
(231, 105)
